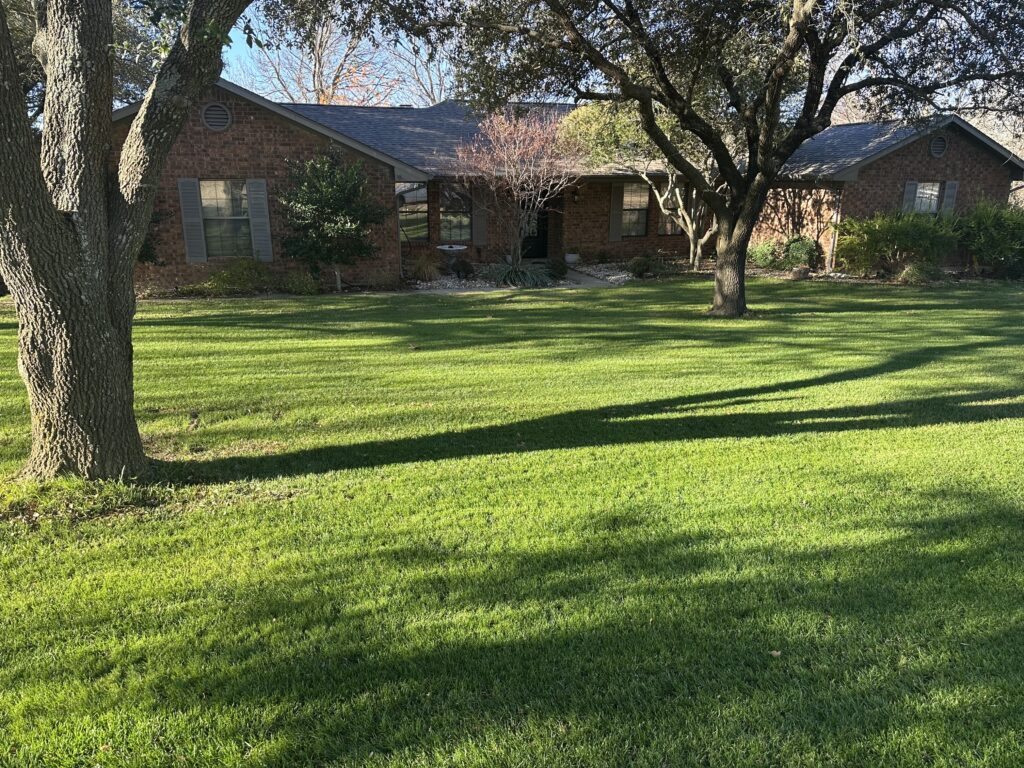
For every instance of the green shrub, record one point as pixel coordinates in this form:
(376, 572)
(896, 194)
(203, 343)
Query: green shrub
(801, 250)
(425, 268)
(993, 238)
(887, 243)
(765, 255)
(300, 283)
(238, 277)
(331, 211)
(521, 276)
(557, 267)
(643, 266)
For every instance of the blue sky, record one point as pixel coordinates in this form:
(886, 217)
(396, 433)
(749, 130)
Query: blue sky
(235, 54)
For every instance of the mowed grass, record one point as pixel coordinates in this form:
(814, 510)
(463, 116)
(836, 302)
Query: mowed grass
(553, 528)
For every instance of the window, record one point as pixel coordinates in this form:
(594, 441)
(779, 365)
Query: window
(412, 211)
(456, 213)
(226, 219)
(635, 199)
(927, 200)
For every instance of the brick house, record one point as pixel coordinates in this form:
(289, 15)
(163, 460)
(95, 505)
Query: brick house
(217, 197)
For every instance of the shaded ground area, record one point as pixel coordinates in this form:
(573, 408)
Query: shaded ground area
(572, 528)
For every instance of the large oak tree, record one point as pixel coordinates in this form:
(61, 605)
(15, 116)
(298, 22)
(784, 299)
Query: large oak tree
(71, 225)
(749, 81)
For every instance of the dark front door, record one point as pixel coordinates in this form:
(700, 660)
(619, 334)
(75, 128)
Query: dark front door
(535, 244)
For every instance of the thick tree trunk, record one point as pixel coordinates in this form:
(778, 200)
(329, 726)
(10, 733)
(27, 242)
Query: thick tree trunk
(733, 239)
(77, 367)
(730, 268)
(730, 287)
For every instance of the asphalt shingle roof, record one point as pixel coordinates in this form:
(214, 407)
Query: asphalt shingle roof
(427, 137)
(840, 146)
(424, 137)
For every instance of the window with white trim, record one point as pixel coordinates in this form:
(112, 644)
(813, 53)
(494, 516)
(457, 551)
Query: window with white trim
(635, 201)
(456, 214)
(927, 199)
(412, 211)
(226, 218)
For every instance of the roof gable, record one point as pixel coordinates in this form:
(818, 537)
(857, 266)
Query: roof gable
(403, 171)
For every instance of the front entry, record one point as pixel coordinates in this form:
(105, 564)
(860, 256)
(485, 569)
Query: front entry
(535, 244)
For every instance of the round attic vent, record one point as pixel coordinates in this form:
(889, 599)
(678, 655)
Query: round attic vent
(216, 117)
(939, 146)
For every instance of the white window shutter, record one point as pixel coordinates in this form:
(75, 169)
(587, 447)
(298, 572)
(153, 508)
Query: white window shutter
(192, 220)
(259, 219)
(949, 196)
(910, 197)
(615, 215)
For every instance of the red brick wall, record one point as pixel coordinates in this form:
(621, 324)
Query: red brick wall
(879, 187)
(584, 227)
(802, 209)
(257, 145)
(574, 226)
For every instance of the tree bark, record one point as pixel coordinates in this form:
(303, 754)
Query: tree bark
(77, 366)
(730, 267)
(730, 287)
(734, 232)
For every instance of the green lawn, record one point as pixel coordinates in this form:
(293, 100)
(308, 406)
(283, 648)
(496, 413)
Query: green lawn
(554, 528)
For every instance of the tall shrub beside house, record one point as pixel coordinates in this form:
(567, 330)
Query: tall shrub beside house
(331, 212)
(887, 244)
(992, 236)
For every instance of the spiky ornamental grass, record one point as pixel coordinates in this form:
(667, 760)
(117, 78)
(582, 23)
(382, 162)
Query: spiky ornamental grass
(558, 528)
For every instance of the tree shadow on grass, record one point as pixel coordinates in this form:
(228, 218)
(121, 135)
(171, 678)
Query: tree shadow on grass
(669, 419)
(635, 645)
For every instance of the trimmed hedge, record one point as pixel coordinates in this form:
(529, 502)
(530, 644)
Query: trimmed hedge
(992, 237)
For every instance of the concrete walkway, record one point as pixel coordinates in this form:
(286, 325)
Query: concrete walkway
(586, 281)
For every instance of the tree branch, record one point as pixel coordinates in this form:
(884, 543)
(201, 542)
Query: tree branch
(25, 204)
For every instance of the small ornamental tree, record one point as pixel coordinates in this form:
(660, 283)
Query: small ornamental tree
(522, 163)
(331, 212)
